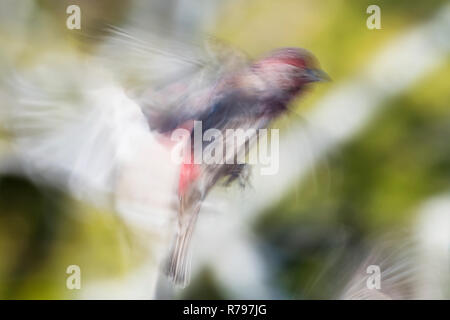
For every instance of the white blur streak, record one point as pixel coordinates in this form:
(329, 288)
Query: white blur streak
(138, 284)
(398, 265)
(341, 114)
(433, 234)
(412, 267)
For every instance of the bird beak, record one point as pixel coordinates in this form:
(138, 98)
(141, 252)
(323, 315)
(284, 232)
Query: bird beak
(315, 75)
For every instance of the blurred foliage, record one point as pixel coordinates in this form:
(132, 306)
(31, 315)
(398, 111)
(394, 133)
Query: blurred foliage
(207, 287)
(42, 232)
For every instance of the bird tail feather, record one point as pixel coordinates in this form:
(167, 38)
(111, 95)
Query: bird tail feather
(178, 263)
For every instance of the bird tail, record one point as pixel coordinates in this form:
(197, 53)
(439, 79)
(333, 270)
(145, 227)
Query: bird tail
(178, 263)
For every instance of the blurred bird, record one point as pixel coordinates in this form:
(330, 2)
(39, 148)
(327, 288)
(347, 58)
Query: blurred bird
(249, 98)
(146, 88)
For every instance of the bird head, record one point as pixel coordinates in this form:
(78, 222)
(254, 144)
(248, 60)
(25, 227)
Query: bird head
(288, 70)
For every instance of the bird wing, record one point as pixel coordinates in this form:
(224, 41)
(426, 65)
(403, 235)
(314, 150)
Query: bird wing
(75, 137)
(171, 79)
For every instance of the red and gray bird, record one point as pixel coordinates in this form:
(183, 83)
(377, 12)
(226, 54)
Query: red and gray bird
(249, 97)
(113, 140)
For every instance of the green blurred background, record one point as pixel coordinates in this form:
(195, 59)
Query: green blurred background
(372, 183)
